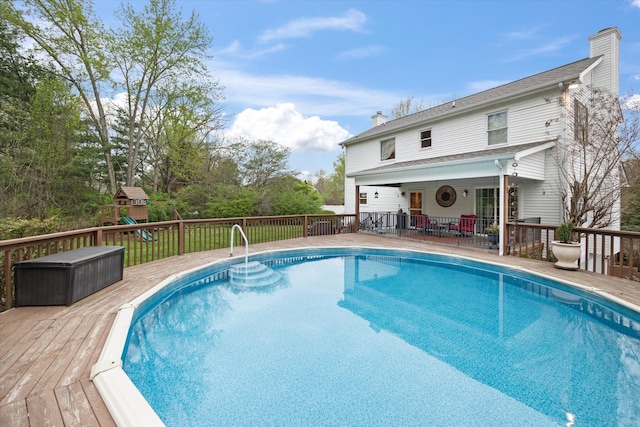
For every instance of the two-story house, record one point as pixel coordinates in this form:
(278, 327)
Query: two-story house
(485, 154)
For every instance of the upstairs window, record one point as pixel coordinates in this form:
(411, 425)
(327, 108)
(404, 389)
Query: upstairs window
(363, 198)
(425, 138)
(388, 149)
(497, 128)
(580, 121)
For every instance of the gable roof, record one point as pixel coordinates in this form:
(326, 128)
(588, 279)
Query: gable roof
(526, 85)
(132, 193)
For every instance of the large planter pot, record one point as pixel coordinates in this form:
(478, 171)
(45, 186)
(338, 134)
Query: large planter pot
(493, 238)
(567, 254)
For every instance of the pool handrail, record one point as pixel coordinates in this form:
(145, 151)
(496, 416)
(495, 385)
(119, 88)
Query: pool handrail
(246, 242)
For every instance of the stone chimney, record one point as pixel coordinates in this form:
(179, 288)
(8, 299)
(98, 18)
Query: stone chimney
(378, 119)
(607, 74)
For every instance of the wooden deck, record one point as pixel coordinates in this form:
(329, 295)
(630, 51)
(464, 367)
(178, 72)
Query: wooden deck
(46, 353)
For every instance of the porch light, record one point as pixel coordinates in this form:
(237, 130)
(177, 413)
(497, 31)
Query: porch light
(465, 193)
(375, 194)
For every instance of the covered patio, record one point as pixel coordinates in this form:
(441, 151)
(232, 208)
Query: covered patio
(448, 189)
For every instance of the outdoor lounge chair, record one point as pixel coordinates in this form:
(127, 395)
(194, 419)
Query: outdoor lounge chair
(465, 225)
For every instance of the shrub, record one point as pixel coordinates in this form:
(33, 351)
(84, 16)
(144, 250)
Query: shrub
(565, 232)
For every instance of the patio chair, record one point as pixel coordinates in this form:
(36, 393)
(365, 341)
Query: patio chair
(465, 225)
(423, 223)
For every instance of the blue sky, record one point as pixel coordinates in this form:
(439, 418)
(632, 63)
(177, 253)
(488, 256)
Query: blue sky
(309, 74)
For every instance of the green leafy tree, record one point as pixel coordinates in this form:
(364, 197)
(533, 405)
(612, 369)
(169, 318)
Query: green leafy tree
(290, 196)
(232, 201)
(68, 34)
(19, 75)
(53, 135)
(260, 161)
(158, 52)
(630, 202)
(180, 136)
(153, 48)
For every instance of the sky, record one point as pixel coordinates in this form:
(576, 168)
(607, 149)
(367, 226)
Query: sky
(310, 74)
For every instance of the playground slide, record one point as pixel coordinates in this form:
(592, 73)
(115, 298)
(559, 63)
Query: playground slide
(145, 235)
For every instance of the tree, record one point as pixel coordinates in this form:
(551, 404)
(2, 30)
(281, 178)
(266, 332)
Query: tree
(290, 196)
(630, 199)
(154, 48)
(406, 107)
(231, 202)
(260, 161)
(331, 187)
(180, 137)
(590, 164)
(67, 33)
(42, 166)
(157, 52)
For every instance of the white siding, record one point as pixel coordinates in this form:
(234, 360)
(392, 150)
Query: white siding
(606, 74)
(532, 166)
(463, 134)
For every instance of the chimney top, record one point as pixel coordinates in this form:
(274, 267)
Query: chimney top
(378, 119)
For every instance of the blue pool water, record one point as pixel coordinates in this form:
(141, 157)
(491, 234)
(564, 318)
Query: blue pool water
(376, 337)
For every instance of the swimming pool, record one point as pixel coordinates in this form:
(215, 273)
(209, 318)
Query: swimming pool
(377, 337)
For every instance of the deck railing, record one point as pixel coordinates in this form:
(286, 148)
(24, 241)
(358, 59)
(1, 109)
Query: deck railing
(145, 242)
(615, 253)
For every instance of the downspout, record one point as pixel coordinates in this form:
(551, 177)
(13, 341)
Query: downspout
(503, 209)
(357, 221)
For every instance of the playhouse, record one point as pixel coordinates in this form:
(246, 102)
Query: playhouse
(129, 202)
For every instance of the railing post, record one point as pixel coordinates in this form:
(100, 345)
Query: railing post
(181, 237)
(305, 227)
(8, 282)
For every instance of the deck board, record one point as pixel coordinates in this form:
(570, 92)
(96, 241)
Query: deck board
(42, 362)
(74, 406)
(14, 414)
(44, 410)
(47, 352)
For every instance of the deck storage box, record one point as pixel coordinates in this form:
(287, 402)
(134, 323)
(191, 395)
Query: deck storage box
(66, 277)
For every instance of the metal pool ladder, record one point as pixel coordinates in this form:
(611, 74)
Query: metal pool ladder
(246, 242)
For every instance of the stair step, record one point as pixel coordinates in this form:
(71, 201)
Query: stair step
(253, 275)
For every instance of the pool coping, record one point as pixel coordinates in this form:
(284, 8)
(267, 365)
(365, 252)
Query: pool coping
(127, 405)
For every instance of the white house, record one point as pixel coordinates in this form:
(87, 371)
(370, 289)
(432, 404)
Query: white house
(484, 154)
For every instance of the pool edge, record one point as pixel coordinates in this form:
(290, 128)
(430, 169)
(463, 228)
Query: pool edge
(127, 405)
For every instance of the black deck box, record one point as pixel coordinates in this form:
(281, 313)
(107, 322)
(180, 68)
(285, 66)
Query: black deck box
(66, 277)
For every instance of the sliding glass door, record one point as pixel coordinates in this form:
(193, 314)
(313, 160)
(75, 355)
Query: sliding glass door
(487, 207)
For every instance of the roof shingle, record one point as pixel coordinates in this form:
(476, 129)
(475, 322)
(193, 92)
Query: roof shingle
(527, 84)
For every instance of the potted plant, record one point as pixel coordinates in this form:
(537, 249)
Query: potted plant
(493, 234)
(565, 250)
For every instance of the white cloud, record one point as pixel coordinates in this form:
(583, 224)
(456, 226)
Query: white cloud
(552, 46)
(235, 49)
(313, 95)
(524, 34)
(353, 20)
(635, 3)
(285, 125)
(363, 52)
